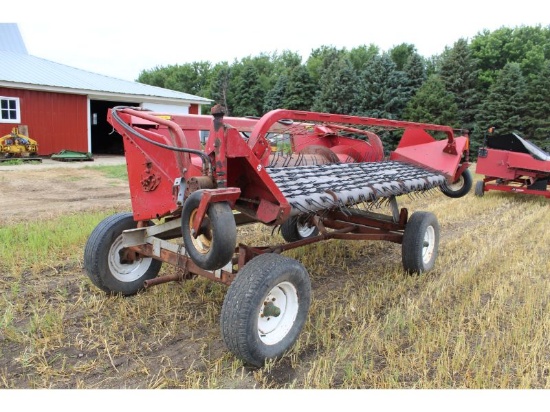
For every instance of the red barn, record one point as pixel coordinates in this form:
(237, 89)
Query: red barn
(65, 108)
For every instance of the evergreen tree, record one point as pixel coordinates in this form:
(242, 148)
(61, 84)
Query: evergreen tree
(459, 72)
(415, 70)
(383, 90)
(249, 94)
(320, 59)
(537, 120)
(285, 62)
(505, 104)
(274, 98)
(432, 104)
(337, 88)
(300, 90)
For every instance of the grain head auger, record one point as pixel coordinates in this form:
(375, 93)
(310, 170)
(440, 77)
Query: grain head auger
(317, 176)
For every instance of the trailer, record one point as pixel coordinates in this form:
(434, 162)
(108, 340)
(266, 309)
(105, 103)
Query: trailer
(513, 164)
(315, 176)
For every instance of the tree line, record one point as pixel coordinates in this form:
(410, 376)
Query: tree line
(499, 78)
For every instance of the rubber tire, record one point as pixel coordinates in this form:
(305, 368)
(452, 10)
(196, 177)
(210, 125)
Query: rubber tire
(419, 225)
(220, 221)
(244, 301)
(467, 181)
(97, 254)
(480, 188)
(291, 232)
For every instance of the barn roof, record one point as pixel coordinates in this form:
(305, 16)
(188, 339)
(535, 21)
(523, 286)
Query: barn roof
(10, 38)
(22, 70)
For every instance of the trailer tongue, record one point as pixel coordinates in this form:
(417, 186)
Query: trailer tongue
(317, 176)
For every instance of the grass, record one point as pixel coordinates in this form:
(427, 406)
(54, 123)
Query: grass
(114, 172)
(17, 162)
(480, 319)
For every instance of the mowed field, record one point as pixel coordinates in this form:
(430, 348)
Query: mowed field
(479, 319)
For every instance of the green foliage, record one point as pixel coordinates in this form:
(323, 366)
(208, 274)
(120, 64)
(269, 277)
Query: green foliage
(432, 104)
(526, 45)
(192, 78)
(338, 88)
(364, 82)
(11, 162)
(415, 70)
(401, 53)
(459, 73)
(249, 94)
(505, 106)
(359, 56)
(384, 89)
(320, 59)
(274, 99)
(300, 90)
(537, 119)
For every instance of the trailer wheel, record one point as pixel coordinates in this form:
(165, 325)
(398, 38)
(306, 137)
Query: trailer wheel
(459, 188)
(265, 308)
(103, 260)
(214, 245)
(294, 229)
(480, 188)
(420, 243)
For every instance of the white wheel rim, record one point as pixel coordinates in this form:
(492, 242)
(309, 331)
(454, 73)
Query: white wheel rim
(305, 230)
(283, 298)
(429, 244)
(456, 186)
(126, 272)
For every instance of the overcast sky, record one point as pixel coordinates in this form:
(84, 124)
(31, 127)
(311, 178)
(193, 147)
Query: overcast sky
(121, 38)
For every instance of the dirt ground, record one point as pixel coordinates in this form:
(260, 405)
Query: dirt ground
(35, 191)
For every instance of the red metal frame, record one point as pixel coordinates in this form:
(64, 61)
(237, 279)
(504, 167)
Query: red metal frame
(507, 171)
(232, 168)
(235, 162)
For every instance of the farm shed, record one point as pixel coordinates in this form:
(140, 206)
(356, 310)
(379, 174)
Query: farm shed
(64, 107)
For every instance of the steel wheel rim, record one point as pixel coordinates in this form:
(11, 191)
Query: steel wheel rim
(273, 328)
(202, 243)
(456, 186)
(429, 244)
(305, 230)
(126, 272)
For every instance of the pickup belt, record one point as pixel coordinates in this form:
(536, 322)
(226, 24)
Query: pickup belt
(310, 189)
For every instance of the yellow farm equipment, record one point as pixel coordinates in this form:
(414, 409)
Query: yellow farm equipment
(17, 145)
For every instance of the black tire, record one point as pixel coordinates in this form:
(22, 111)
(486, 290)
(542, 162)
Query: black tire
(293, 229)
(215, 244)
(245, 327)
(420, 243)
(480, 188)
(102, 258)
(459, 188)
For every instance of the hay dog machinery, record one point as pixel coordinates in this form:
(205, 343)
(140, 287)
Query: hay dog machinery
(513, 164)
(323, 183)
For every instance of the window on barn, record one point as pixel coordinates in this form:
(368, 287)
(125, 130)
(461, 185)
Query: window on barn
(9, 110)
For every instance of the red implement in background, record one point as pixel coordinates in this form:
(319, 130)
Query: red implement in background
(513, 164)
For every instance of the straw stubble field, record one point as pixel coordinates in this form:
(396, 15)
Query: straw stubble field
(480, 319)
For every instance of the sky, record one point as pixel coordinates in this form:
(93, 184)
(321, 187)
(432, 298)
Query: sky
(121, 38)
